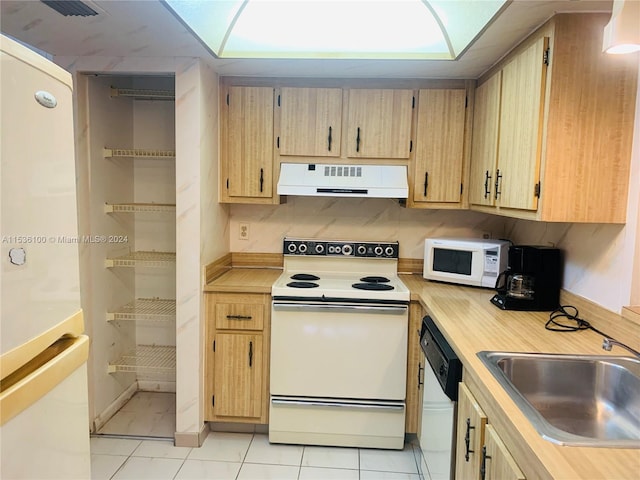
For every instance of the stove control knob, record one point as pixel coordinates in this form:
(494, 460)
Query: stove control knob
(347, 249)
(302, 248)
(319, 248)
(362, 250)
(388, 251)
(291, 247)
(378, 250)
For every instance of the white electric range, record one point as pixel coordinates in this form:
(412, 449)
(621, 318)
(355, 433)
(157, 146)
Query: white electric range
(339, 345)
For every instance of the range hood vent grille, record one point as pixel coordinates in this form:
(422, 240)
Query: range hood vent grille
(70, 8)
(328, 180)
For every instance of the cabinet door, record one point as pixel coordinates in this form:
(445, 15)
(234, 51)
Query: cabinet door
(484, 145)
(249, 152)
(439, 146)
(379, 123)
(470, 430)
(497, 463)
(521, 115)
(310, 121)
(238, 375)
(415, 369)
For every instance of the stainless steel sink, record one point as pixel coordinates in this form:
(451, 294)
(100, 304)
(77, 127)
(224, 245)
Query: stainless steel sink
(586, 400)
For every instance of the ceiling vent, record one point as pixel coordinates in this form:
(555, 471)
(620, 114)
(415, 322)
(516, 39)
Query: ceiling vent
(71, 8)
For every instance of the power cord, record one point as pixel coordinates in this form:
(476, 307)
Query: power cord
(559, 321)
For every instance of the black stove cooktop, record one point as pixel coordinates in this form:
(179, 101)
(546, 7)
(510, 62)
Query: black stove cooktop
(302, 284)
(375, 279)
(304, 277)
(372, 286)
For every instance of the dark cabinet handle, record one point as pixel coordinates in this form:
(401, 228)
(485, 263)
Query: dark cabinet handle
(250, 353)
(420, 377)
(487, 177)
(467, 440)
(358, 141)
(261, 179)
(426, 182)
(483, 464)
(497, 184)
(329, 139)
(239, 317)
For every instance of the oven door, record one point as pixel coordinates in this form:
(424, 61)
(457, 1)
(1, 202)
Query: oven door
(331, 350)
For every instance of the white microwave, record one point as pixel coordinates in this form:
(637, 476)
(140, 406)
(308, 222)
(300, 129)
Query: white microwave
(467, 261)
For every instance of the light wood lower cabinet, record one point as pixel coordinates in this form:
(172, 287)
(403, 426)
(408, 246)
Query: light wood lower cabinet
(415, 369)
(496, 462)
(480, 453)
(237, 357)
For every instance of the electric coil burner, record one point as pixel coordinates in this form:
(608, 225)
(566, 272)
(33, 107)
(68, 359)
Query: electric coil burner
(340, 315)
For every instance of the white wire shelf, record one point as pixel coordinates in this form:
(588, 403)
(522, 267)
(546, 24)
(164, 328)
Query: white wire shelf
(148, 359)
(143, 94)
(139, 207)
(160, 310)
(137, 153)
(142, 259)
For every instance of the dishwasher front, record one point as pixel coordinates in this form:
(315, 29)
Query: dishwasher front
(437, 432)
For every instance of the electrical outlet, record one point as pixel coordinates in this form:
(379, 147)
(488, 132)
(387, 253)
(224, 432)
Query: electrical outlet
(243, 233)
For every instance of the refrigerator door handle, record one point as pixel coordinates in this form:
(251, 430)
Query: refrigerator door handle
(14, 359)
(28, 384)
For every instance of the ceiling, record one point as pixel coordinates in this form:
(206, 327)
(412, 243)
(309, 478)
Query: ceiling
(146, 28)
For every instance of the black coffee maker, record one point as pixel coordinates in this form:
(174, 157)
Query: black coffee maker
(531, 281)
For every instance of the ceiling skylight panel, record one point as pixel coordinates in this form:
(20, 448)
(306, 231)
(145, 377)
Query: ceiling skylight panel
(375, 29)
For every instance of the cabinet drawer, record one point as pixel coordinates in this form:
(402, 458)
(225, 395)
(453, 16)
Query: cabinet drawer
(241, 312)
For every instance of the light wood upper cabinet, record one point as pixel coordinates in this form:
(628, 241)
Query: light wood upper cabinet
(247, 145)
(310, 121)
(556, 120)
(439, 156)
(523, 83)
(379, 123)
(484, 145)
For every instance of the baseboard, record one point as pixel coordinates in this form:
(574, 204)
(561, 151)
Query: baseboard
(155, 386)
(191, 439)
(103, 417)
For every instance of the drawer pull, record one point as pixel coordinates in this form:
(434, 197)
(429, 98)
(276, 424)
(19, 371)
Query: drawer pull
(467, 440)
(239, 317)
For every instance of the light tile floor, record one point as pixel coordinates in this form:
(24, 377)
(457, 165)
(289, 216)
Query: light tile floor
(245, 456)
(146, 414)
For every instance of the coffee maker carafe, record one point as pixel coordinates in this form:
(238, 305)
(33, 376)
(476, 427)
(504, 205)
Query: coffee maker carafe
(531, 281)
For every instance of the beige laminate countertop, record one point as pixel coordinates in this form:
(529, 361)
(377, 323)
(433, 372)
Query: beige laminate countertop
(245, 280)
(472, 324)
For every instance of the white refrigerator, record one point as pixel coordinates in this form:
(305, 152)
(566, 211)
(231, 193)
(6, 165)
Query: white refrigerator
(44, 418)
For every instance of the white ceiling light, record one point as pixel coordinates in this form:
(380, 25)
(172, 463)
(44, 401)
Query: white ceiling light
(379, 29)
(622, 33)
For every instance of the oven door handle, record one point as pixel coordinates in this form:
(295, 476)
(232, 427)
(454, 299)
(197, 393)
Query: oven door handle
(315, 403)
(306, 307)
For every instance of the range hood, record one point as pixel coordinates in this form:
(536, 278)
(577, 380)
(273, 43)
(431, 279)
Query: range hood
(315, 179)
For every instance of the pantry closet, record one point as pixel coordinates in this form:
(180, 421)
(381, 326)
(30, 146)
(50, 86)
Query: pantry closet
(129, 274)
